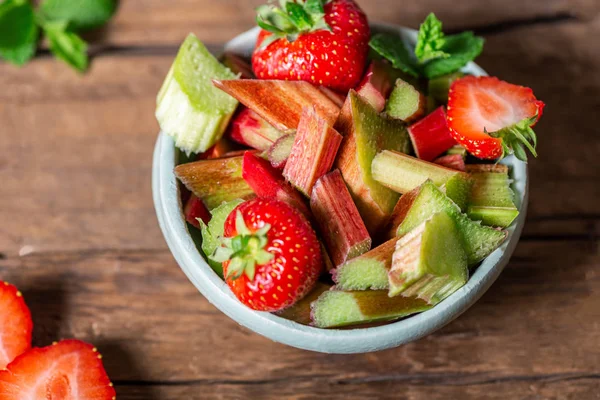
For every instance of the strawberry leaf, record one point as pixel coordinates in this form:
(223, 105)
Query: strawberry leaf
(430, 40)
(300, 18)
(517, 137)
(392, 48)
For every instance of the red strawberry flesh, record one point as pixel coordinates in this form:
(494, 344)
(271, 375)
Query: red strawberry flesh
(15, 324)
(70, 369)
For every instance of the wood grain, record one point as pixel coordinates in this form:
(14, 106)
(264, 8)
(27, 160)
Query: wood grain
(79, 236)
(160, 23)
(104, 297)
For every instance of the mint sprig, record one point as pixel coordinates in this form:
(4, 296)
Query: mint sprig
(435, 54)
(60, 21)
(18, 31)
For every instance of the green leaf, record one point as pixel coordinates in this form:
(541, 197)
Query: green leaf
(430, 40)
(315, 9)
(66, 46)
(462, 48)
(80, 14)
(18, 31)
(298, 16)
(392, 48)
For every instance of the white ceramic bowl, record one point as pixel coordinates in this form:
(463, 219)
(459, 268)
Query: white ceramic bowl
(169, 211)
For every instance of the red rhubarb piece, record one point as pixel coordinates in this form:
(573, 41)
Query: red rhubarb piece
(430, 136)
(338, 218)
(313, 153)
(268, 182)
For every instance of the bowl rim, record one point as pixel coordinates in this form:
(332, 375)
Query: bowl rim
(340, 341)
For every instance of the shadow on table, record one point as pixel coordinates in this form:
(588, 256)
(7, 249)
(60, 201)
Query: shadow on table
(47, 300)
(117, 358)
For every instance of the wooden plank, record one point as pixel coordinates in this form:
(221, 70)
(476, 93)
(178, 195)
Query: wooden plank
(491, 387)
(156, 22)
(539, 319)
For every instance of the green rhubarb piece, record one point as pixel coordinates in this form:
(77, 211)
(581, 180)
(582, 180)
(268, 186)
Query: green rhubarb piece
(405, 102)
(491, 199)
(215, 181)
(458, 149)
(335, 308)
(430, 261)
(402, 173)
(368, 271)
(300, 311)
(427, 200)
(458, 189)
(367, 133)
(439, 87)
(188, 107)
(212, 232)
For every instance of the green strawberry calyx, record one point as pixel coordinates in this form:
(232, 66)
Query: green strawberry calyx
(245, 250)
(291, 19)
(517, 137)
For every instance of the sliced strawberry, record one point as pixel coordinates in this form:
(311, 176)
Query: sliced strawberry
(70, 369)
(15, 324)
(492, 118)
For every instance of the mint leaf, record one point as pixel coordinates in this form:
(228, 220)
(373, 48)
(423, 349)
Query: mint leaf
(80, 14)
(18, 31)
(430, 40)
(462, 48)
(66, 46)
(392, 48)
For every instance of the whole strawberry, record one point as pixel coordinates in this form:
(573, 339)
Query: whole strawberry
(271, 256)
(318, 41)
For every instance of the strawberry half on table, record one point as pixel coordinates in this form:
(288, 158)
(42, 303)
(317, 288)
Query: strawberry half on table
(15, 324)
(271, 256)
(70, 369)
(319, 41)
(493, 118)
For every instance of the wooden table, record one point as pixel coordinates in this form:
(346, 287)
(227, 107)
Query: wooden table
(79, 236)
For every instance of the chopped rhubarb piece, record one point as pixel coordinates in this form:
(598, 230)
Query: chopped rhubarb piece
(300, 311)
(313, 153)
(335, 308)
(339, 221)
(215, 181)
(439, 87)
(368, 271)
(266, 181)
(403, 173)
(497, 168)
(194, 209)
(419, 205)
(457, 149)
(280, 103)
(405, 102)
(366, 132)
(334, 96)
(458, 189)
(249, 129)
(491, 199)
(281, 150)
(429, 262)
(430, 136)
(452, 161)
(222, 147)
(377, 84)
(237, 65)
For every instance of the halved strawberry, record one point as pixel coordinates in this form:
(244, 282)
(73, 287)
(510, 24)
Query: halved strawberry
(492, 118)
(15, 324)
(70, 369)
